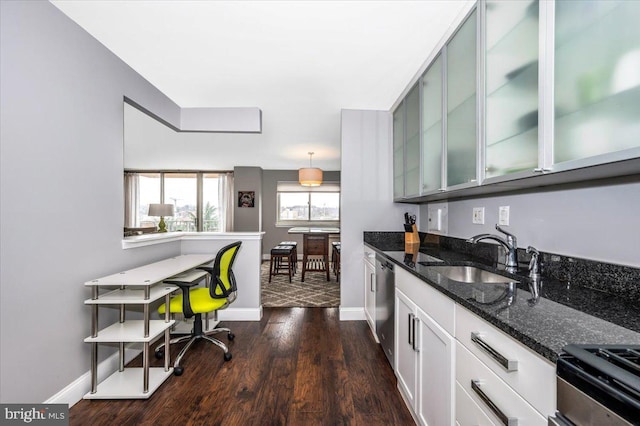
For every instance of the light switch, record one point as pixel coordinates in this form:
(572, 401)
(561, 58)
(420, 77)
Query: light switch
(503, 215)
(478, 215)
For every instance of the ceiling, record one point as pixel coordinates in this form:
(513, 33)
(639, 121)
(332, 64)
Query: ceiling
(300, 62)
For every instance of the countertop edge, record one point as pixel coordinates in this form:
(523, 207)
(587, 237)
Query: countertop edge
(532, 342)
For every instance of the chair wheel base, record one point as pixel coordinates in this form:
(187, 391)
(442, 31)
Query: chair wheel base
(159, 354)
(177, 371)
(231, 336)
(227, 356)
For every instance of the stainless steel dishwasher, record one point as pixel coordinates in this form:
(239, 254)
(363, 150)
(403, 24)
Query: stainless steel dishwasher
(385, 301)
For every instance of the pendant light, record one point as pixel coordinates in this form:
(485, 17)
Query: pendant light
(310, 176)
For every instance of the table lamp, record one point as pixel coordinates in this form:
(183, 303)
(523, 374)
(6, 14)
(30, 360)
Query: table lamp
(161, 210)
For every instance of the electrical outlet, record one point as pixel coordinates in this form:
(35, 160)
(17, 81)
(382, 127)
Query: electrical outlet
(503, 215)
(478, 215)
(435, 220)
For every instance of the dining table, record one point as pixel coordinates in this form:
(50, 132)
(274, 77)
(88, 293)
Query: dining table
(315, 248)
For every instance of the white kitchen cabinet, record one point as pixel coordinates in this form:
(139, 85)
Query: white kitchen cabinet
(406, 358)
(424, 350)
(435, 355)
(467, 411)
(370, 291)
(516, 365)
(498, 401)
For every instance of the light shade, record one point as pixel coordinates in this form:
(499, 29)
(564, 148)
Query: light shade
(160, 209)
(310, 176)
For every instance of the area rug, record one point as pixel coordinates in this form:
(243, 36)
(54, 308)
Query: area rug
(315, 291)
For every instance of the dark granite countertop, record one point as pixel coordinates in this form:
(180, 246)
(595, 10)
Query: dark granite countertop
(562, 314)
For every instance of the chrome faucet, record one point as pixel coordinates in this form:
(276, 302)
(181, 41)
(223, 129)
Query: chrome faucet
(534, 264)
(509, 243)
(534, 276)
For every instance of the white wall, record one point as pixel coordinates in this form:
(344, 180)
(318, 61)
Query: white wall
(246, 269)
(61, 127)
(598, 220)
(150, 145)
(366, 198)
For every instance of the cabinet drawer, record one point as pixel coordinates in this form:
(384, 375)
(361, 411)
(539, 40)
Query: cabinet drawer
(435, 304)
(532, 376)
(467, 411)
(470, 370)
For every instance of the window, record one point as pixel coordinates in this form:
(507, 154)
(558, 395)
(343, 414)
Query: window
(201, 200)
(181, 190)
(298, 204)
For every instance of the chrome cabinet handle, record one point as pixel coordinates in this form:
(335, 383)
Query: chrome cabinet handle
(411, 329)
(507, 421)
(371, 276)
(508, 364)
(416, 321)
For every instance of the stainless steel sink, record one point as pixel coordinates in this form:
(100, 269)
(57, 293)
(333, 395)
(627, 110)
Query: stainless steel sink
(471, 275)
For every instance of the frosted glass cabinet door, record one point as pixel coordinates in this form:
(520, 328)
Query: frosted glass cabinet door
(461, 104)
(432, 127)
(412, 143)
(398, 152)
(511, 136)
(597, 78)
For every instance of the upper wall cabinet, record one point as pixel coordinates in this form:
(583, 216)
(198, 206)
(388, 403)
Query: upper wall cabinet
(523, 93)
(398, 152)
(461, 82)
(412, 143)
(511, 87)
(432, 102)
(597, 80)
(406, 147)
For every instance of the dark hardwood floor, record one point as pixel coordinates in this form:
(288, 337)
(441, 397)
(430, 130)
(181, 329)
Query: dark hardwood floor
(297, 366)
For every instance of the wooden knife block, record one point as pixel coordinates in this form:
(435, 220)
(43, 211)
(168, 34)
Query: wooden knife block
(412, 240)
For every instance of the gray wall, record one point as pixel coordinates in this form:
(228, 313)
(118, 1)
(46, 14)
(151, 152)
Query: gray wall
(61, 197)
(598, 220)
(273, 234)
(247, 219)
(367, 194)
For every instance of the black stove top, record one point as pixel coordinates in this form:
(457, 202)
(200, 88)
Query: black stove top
(610, 374)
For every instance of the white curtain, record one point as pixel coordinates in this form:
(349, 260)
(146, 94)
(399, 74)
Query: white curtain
(131, 200)
(226, 201)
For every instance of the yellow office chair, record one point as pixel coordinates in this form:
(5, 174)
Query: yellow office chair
(220, 292)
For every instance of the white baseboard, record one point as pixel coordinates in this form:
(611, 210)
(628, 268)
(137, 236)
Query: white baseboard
(240, 314)
(352, 314)
(74, 392)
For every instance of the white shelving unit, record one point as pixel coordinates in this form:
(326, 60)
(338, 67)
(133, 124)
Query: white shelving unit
(141, 286)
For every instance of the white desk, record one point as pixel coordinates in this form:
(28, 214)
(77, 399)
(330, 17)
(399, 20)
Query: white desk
(138, 286)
